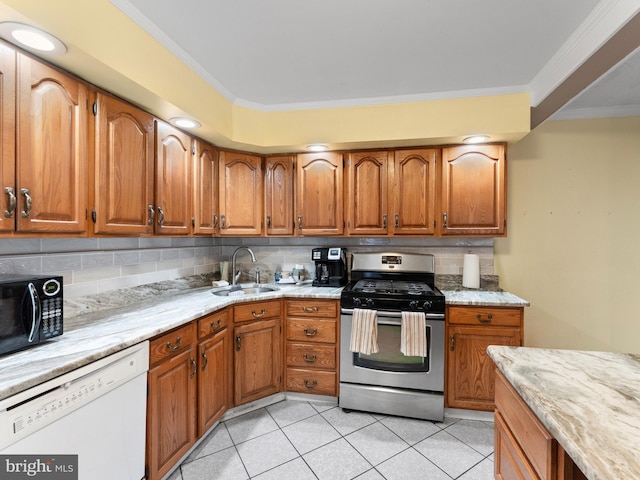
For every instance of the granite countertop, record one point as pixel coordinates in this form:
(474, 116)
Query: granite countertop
(589, 401)
(99, 325)
(489, 294)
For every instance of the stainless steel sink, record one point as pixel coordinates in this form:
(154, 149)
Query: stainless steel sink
(243, 290)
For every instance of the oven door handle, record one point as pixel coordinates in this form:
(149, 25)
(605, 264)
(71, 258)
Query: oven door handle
(381, 313)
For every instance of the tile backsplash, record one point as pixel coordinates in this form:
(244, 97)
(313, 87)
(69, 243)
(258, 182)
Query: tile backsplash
(97, 265)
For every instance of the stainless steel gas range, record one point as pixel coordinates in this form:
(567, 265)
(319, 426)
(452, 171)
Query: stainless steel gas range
(389, 381)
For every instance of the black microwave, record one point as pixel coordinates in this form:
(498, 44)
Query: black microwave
(30, 310)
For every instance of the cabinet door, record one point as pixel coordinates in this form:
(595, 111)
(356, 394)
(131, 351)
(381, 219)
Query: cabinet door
(173, 180)
(470, 371)
(51, 150)
(319, 202)
(414, 192)
(214, 383)
(473, 190)
(278, 195)
(123, 182)
(257, 360)
(240, 194)
(7, 139)
(205, 189)
(171, 412)
(367, 185)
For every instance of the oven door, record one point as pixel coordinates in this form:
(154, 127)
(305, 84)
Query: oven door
(390, 367)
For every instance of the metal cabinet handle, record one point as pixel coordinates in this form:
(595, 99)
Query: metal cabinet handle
(238, 343)
(310, 333)
(444, 219)
(27, 201)
(194, 367)
(152, 215)
(268, 221)
(160, 215)
(205, 360)
(484, 320)
(311, 384)
(309, 359)
(299, 222)
(215, 220)
(12, 202)
(216, 325)
(258, 315)
(310, 309)
(177, 346)
(223, 225)
(397, 225)
(384, 221)
(452, 346)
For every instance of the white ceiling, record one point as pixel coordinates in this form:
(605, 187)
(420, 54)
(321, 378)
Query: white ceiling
(289, 54)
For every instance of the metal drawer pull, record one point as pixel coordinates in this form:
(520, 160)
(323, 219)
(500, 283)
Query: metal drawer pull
(310, 309)
(384, 221)
(205, 360)
(299, 222)
(397, 225)
(310, 385)
(215, 220)
(238, 343)
(152, 214)
(484, 320)
(12, 202)
(444, 220)
(258, 315)
(27, 199)
(223, 225)
(309, 359)
(268, 221)
(160, 215)
(310, 333)
(216, 325)
(177, 346)
(195, 367)
(452, 347)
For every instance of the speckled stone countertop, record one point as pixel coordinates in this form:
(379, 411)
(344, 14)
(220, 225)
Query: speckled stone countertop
(589, 401)
(489, 294)
(99, 325)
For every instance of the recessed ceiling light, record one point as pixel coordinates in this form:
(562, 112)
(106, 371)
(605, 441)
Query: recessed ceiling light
(317, 148)
(476, 139)
(32, 38)
(183, 122)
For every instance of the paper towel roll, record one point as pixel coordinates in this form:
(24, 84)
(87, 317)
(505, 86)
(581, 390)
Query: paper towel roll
(471, 271)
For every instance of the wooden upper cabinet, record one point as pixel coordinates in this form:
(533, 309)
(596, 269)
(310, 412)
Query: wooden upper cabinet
(123, 195)
(319, 190)
(278, 195)
(241, 197)
(367, 208)
(52, 132)
(205, 189)
(474, 190)
(414, 192)
(173, 180)
(7, 139)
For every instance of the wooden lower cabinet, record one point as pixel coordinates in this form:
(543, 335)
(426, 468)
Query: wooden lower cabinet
(257, 351)
(311, 353)
(171, 401)
(470, 371)
(524, 449)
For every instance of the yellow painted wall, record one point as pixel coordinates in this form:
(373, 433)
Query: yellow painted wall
(573, 248)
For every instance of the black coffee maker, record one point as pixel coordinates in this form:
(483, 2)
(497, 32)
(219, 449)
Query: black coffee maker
(331, 267)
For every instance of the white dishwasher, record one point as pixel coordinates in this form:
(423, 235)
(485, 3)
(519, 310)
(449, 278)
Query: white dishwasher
(97, 412)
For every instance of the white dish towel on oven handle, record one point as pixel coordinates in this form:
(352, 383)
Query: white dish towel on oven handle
(413, 337)
(364, 331)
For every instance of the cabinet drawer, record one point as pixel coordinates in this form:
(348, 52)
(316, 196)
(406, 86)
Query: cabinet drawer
(494, 316)
(312, 308)
(213, 323)
(256, 311)
(311, 330)
(535, 441)
(311, 381)
(510, 462)
(311, 356)
(172, 343)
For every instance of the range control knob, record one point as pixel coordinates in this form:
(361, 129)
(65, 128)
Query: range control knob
(427, 305)
(370, 302)
(413, 305)
(356, 301)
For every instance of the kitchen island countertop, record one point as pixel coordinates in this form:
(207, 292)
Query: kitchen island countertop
(589, 401)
